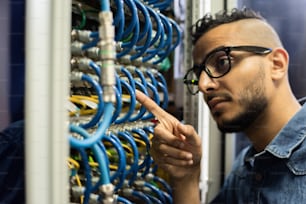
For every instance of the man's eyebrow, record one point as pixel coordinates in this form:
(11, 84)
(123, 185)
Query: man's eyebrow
(208, 53)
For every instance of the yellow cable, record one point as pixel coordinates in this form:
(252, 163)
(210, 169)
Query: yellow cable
(74, 163)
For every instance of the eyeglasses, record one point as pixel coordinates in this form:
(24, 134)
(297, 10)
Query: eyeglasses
(216, 64)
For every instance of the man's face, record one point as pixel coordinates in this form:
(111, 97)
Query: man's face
(237, 99)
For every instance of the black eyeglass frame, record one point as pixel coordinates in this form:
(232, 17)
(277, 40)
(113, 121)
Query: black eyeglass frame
(227, 49)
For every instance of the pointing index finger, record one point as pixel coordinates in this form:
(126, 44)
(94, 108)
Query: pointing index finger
(151, 106)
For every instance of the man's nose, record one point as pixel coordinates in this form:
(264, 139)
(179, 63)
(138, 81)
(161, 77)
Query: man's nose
(207, 84)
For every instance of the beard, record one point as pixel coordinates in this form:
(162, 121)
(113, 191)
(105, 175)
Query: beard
(252, 101)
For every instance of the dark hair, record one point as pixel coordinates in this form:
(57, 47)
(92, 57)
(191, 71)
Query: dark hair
(222, 17)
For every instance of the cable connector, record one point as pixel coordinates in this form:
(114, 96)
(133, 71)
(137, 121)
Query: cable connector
(107, 55)
(107, 191)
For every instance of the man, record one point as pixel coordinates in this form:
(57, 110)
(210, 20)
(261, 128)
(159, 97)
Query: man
(12, 180)
(242, 71)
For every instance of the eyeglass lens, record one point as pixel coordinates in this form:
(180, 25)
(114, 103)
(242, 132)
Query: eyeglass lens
(217, 64)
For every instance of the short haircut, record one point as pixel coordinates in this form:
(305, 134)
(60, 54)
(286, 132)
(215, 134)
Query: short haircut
(209, 21)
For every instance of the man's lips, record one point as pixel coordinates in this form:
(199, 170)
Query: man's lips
(213, 102)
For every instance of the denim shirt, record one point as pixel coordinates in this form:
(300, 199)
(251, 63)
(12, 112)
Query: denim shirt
(276, 175)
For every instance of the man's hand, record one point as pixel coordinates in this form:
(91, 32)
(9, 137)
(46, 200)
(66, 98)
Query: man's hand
(176, 148)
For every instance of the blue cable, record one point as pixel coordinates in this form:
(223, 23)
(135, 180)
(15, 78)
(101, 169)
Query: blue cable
(129, 76)
(164, 53)
(97, 136)
(96, 68)
(154, 200)
(165, 185)
(100, 107)
(123, 200)
(167, 197)
(151, 76)
(142, 109)
(141, 76)
(129, 45)
(162, 5)
(119, 20)
(156, 100)
(132, 103)
(141, 196)
(118, 105)
(105, 6)
(91, 44)
(87, 172)
(103, 165)
(147, 160)
(147, 31)
(134, 166)
(158, 23)
(163, 85)
(156, 191)
(152, 52)
(94, 34)
(178, 32)
(129, 29)
(147, 21)
(165, 94)
(120, 173)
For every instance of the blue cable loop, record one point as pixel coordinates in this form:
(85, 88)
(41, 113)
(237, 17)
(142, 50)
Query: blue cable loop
(152, 52)
(164, 184)
(141, 76)
(147, 31)
(123, 200)
(151, 76)
(100, 107)
(120, 173)
(162, 5)
(158, 23)
(132, 172)
(141, 196)
(164, 53)
(156, 100)
(118, 93)
(87, 172)
(144, 137)
(101, 129)
(142, 109)
(132, 103)
(164, 88)
(167, 197)
(128, 46)
(118, 105)
(147, 21)
(156, 191)
(178, 32)
(129, 76)
(96, 68)
(154, 199)
(119, 20)
(103, 165)
(129, 28)
(165, 94)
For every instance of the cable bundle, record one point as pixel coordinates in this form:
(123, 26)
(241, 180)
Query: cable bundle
(110, 132)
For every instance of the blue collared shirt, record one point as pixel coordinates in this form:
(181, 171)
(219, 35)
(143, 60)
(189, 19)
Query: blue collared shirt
(276, 175)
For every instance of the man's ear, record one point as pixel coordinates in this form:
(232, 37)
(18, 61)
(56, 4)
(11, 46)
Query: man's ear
(280, 60)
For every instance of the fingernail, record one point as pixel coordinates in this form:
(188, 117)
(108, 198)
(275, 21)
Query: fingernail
(188, 156)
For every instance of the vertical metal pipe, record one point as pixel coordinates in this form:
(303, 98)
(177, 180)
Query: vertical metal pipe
(47, 67)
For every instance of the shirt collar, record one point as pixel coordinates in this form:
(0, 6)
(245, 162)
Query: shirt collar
(290, 136)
